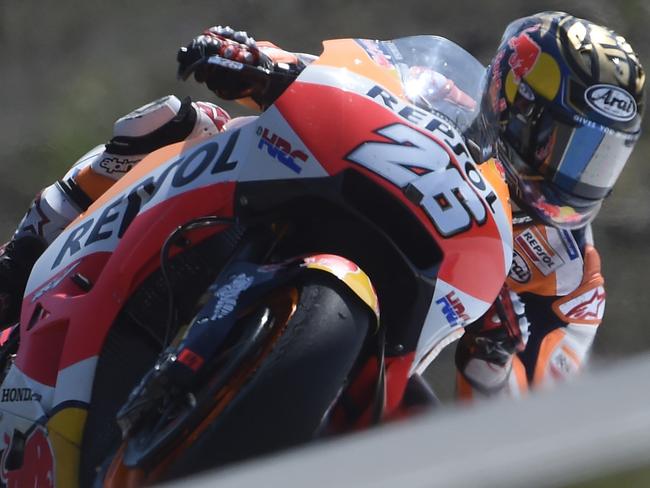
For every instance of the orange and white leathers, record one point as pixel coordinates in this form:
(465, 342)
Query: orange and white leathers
(556, 274)
(95, 172)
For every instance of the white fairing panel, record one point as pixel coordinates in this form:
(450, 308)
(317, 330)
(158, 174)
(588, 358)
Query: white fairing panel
(25, 399)
(262, 148)
(449, 312)
(277, 153)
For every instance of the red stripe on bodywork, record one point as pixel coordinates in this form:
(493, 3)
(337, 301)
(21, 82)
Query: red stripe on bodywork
(74, 323)
(473, 260)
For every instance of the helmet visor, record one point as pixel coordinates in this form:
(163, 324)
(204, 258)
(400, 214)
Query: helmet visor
(563, 166)
(577, 156)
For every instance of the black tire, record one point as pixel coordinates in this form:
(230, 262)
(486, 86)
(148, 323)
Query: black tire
(134, 343)
(127, 355)
(284, 401)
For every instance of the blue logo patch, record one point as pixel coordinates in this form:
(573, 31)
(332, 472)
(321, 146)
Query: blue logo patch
(453, 309)
(281, 150)
(569, 244)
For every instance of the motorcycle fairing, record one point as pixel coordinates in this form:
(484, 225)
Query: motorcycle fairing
(277, 153)
(349, 273)
(357, 60)
(116, 243)
(170, 172)
(28, 459)
(392, 124)
(108, 245)
(64, 369)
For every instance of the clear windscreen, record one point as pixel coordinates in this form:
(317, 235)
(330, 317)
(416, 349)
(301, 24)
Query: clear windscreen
(440, 76)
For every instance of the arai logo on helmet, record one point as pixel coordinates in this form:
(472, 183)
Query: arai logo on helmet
(611, 101)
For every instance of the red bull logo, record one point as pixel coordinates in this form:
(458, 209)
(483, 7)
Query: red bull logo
(33, 464)
(525, 54)
(340, 265)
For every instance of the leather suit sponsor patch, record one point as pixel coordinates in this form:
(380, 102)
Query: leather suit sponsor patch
(520, 272)
(586, 308)
(117, 165)
(539, 251)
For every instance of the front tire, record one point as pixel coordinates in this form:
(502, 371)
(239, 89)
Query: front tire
(288, 391)
(285, 400)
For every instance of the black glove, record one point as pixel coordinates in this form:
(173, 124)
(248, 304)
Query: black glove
(17, 258)
(229, 45)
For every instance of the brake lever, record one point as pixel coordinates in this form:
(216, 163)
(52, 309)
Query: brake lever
(274, 81)
(222, 62)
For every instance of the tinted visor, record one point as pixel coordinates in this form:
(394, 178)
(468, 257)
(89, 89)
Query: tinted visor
(578, 156)
(567, 164)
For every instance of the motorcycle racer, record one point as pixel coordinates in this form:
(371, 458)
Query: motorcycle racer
(555, 292)
(150, 127)
(567, 98)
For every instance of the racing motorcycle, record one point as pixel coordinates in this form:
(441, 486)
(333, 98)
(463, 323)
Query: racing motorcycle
(286, 279)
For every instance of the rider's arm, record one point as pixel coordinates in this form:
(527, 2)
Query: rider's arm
(155, 125)
(557, 276)
(204, 58)
(135, 135)
(563, 327)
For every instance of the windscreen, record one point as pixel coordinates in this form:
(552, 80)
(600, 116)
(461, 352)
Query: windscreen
(439, 76)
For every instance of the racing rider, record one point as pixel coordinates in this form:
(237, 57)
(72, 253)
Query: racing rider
(568, 99)
(567, 96)
(157, 124)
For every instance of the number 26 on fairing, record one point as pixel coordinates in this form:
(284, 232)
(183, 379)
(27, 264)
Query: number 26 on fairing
(417, 164)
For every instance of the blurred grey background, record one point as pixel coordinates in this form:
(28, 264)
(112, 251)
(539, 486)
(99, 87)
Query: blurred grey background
(68, 69)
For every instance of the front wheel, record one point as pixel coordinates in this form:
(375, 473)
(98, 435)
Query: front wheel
(279, 398)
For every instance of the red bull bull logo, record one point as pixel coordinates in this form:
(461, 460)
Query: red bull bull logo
(30, 464)
(525, 54)
(498, 102)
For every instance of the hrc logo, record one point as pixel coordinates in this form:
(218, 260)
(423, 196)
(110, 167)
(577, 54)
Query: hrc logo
(453, 309)
(281, 150)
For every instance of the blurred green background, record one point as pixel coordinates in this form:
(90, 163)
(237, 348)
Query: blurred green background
(68, 69)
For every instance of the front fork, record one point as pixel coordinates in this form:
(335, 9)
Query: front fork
(238, 287)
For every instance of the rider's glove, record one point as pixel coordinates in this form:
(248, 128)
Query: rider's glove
(227, 44)
(16, 260)
(498, 334)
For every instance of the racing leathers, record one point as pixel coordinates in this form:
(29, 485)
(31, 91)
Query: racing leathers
(556, 276)
(163, 122)
(157, 124)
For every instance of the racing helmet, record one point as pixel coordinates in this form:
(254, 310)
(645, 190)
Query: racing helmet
(567, 95)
